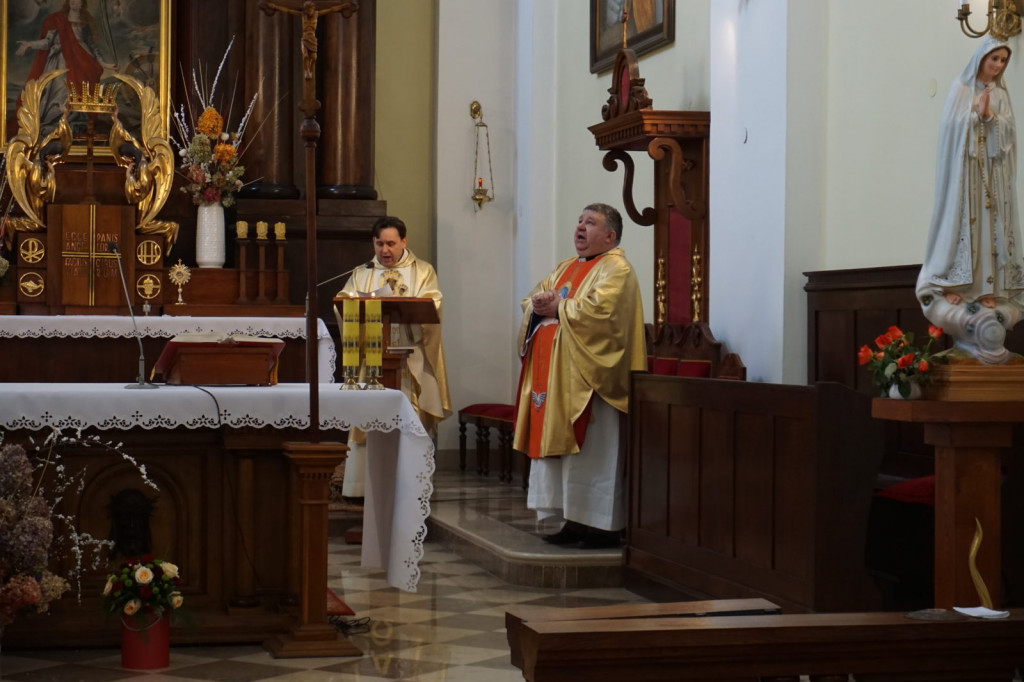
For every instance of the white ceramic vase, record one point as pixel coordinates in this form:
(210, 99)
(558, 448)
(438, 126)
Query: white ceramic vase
(210, 236)
(915, 391)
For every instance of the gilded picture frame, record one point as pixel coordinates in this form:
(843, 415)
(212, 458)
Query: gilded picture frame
(652, 24)
(128, 37)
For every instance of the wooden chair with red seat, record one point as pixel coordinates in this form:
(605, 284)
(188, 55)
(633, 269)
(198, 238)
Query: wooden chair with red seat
(487, 416)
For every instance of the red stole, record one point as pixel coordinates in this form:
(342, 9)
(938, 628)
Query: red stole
(540, 352)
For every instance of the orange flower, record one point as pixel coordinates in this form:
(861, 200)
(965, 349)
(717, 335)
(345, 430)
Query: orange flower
(934, 332)
(210, 123)
(923, 366)
(864, 355)
(224, 153)
(905, 361)
(879, 356)
(883, 340)
(895, 332)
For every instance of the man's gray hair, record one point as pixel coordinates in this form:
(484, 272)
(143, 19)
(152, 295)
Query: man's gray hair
(612, 218)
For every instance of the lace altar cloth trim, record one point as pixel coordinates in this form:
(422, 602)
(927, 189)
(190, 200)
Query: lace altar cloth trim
(167, 326)
(400, 465)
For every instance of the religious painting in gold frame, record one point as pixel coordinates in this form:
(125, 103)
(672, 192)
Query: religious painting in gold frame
(652, 24)
(128, 37)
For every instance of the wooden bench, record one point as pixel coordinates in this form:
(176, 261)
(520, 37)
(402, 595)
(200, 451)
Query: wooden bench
(826, 647)
(518, 617)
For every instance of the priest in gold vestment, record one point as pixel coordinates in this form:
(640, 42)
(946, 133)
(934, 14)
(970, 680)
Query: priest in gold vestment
(424, 379)
(582, 333)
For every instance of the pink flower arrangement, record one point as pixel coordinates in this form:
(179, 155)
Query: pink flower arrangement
(26, 534)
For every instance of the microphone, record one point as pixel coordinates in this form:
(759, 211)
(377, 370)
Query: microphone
(368, 264)
(112, 248)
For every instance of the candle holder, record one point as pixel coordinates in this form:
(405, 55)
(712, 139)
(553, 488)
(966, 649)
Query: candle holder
(350, 374)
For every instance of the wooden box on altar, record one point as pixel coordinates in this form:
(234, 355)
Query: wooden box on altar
(215, 363)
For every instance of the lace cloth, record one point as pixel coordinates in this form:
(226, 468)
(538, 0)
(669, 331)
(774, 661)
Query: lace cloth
(167, 326)
(400, 465)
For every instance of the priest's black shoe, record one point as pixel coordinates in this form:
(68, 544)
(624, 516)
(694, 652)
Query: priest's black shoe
(595, 538)
(570, 533)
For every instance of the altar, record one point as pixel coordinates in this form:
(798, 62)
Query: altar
(223, 509)
(100, 348)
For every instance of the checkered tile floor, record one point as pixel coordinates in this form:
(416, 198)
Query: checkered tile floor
(452, 629)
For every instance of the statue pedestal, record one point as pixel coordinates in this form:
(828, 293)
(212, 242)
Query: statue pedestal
(968, 437)
(973, 381)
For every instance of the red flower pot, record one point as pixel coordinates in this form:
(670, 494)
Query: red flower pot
(145, 643)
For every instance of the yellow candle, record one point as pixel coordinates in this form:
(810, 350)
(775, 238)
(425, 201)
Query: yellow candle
(261, 229)
(278, 230)
(242, 229)
(350, 332)
(374, 333)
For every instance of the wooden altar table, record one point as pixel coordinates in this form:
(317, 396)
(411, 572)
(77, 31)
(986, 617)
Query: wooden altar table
(100, 348)
(210, 449)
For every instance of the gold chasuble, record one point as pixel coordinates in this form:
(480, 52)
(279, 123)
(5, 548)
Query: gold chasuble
(426, 382)
(595, 343)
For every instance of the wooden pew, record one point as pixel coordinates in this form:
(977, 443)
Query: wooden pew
(872, 647)
(516, 618)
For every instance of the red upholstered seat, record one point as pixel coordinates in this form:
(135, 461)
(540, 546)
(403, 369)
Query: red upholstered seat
(916, 490)
(662, 366)
(492, 410)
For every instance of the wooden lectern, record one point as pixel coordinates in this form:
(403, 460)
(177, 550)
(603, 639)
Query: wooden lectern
(395, 310)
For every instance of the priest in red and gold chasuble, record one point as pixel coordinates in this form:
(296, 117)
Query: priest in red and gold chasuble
(582, 334)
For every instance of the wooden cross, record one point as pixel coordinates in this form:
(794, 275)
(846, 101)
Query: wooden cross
(310, 11)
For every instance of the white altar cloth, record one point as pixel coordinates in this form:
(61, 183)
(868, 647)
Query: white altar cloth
(167, 326)
(399, 477)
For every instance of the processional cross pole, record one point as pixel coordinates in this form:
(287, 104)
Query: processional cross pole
(310, 11)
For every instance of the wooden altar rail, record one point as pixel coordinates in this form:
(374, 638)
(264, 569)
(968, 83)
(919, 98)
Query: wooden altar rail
(741, 489)
(870, 647)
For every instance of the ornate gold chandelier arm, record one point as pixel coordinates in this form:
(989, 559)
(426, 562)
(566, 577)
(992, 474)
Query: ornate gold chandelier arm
(1002, 20)
(150, 170)
(30, 176)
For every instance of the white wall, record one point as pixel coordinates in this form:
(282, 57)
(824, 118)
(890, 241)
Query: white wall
(475, 61)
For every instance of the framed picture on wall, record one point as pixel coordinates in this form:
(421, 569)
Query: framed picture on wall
(651, 24)
(90, 38)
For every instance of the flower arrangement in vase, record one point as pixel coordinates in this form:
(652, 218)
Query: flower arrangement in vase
(898, 367)
(209, 151)
(144, 589)
(34, 529)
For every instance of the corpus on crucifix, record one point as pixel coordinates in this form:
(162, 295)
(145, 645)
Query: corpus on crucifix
(310, 12)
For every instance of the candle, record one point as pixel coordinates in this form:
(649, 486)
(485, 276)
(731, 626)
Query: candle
(279, 231)
(480, 182)
(261, 229)
(374, 333)
(242, 229)
(350, 332)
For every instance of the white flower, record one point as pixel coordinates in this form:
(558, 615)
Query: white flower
(131, 607)
(169, 569)
(143, 575)
(109, 587)
(177, 600)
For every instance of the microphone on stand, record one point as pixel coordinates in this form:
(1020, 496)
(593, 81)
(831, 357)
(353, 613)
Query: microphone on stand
(367, 264)
(112, 248)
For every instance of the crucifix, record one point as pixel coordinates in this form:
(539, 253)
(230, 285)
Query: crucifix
(312, 462)
(310, 12)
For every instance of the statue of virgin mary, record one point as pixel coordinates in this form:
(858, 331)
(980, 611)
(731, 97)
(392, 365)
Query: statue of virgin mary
(972, 281)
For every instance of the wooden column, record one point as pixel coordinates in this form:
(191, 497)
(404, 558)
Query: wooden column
(312, 465)
(269, 68)
(349, 72)
(968, 438)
